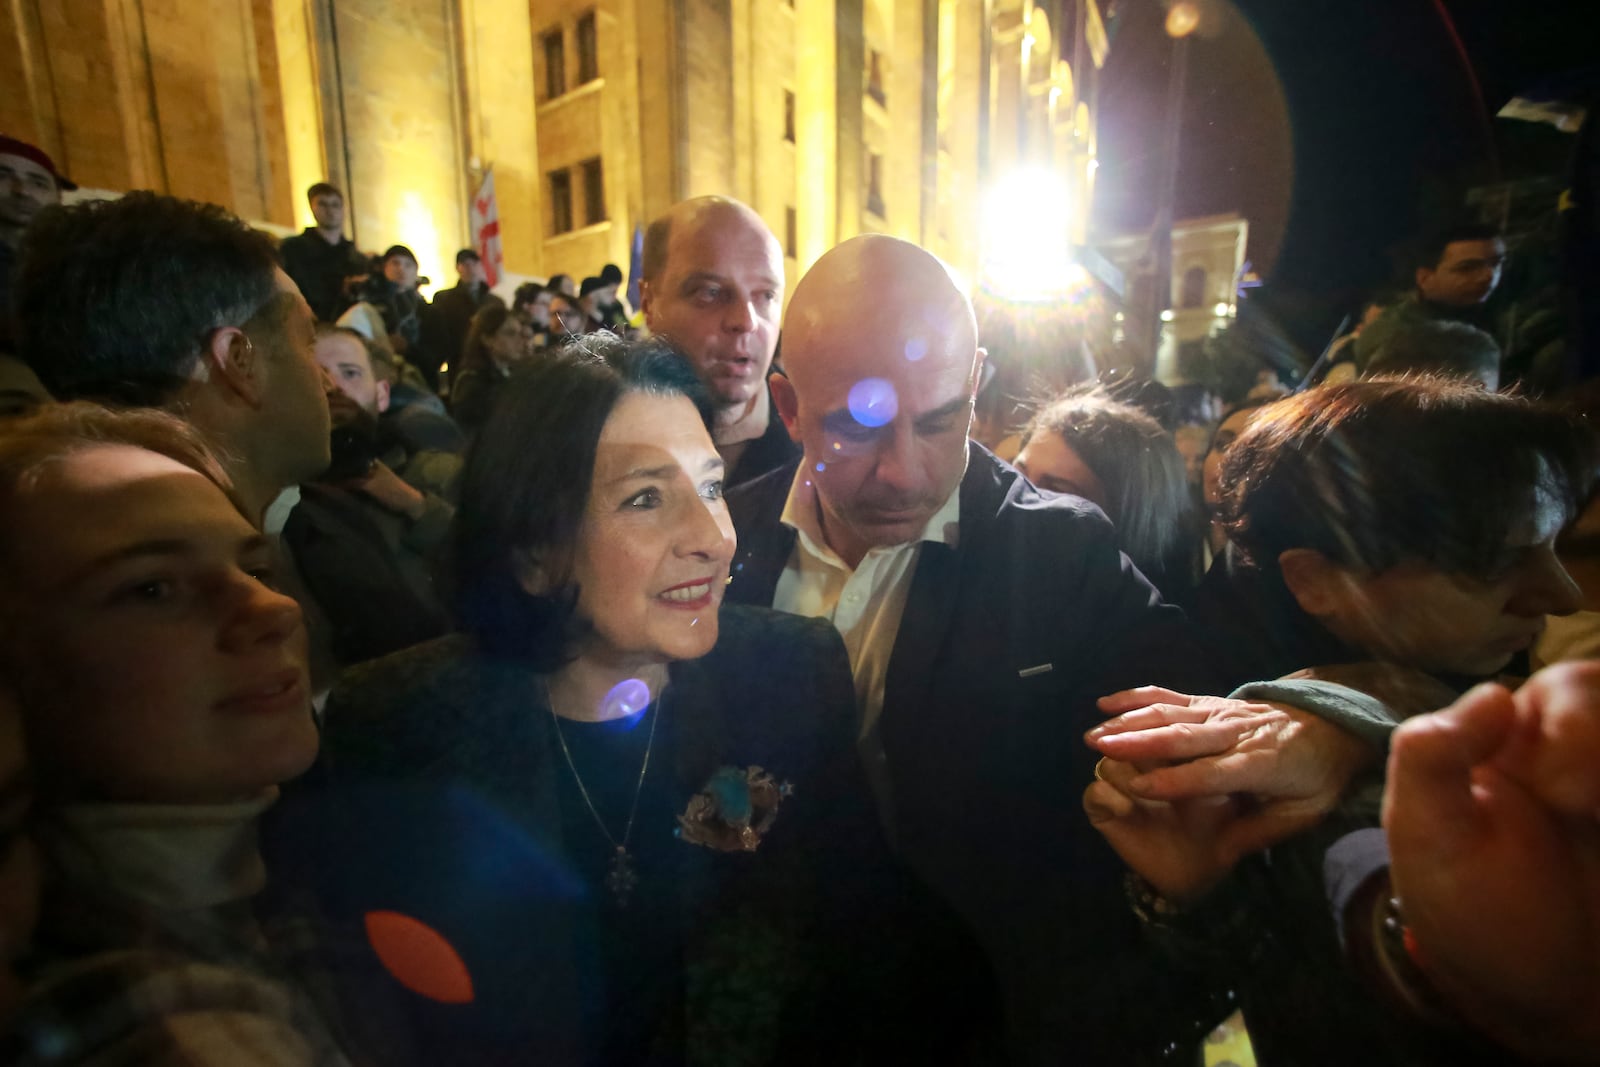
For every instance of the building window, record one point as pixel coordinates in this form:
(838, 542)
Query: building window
(588, 50)
(875, 185)
(1194, 288)
(560, 201)
(791, 231)
(877, 77)
(555, 65)
(594, 192)
(788, 115)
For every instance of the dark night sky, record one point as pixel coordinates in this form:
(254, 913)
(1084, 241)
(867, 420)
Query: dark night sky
(1335, 126)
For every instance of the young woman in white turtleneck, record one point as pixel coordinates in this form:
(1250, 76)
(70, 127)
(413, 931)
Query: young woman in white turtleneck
(163, 687)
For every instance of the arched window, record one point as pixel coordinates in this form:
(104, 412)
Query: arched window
(1194, 288)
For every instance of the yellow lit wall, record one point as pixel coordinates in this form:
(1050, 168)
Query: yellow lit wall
(403, 144)
(303, 164)
(406, 103)
(498, 44)
(817, 148)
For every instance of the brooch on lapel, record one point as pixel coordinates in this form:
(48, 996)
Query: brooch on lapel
(733, 810)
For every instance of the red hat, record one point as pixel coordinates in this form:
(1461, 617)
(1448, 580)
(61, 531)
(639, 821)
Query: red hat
(10, 146)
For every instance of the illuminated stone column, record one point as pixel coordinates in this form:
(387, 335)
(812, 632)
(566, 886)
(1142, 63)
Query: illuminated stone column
(304, 164)
(27, 100)
(816, 128)
(742, 77)
(706, 59)
(180, 97)
(396, 89)
(850, 59)
(658, 164)
(79, 86)
(906, 158)
(498, 42)
(961, 176)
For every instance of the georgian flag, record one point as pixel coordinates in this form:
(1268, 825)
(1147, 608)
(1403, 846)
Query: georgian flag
(485, 219)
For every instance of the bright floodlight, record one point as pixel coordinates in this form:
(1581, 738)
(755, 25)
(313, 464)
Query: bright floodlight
(1027, 253)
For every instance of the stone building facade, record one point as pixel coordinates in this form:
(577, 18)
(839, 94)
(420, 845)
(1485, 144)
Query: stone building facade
(830, 117)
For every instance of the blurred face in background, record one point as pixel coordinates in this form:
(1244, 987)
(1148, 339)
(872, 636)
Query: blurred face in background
(1466, 274)
(328, 210)
(539, 310)
(25, 189)
(1050, 463)
(512, 342)
(349, 365)
(565, 315)
(402, 271)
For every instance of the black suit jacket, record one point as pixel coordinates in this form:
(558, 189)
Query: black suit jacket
(1008, 638)
(445, 327)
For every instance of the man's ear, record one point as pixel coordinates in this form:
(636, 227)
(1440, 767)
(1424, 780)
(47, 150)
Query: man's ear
(1423, 278)
(383, 397)
(232, 359)
(1315, 581)
(647, 303)
(787, 403)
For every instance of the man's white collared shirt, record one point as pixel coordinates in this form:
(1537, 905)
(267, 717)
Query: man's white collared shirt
(865, 604)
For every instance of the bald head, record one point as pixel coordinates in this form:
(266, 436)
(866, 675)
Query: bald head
(687, 218)
(884, 286)
(713, 285)
(881, 352)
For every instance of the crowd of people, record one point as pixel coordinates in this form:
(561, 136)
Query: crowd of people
(392, 682)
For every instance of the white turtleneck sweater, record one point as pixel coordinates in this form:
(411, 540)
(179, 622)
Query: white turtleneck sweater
(168, 965)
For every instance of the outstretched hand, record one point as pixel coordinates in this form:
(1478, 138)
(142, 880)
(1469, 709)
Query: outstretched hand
(1493, 816)
(1205, 781)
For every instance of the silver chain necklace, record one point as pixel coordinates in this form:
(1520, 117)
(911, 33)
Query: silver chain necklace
(621, 878)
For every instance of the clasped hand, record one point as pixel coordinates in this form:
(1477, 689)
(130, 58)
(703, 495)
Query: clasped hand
(1191, 784)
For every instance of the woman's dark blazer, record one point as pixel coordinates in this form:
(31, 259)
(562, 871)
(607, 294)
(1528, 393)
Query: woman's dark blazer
(436, 798)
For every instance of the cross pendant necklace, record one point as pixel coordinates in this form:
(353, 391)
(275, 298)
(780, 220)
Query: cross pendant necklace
(621, 877)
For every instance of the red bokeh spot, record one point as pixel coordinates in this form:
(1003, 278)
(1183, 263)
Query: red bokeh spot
(419, 957)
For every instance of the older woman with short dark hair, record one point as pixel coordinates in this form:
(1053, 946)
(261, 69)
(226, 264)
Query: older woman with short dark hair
(630, 816)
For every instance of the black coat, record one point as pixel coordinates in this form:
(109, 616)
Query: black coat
(442, 794)
(445, 327)
(1007, 640)
(378, 597)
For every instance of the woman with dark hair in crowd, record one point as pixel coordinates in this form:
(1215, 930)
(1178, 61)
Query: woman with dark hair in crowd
(1397, 536)
(497, 342)
(632, 817)
(1121, 459)
(1234, 422)
(1357, 509)
(163, 687)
